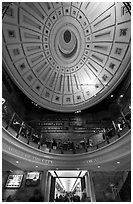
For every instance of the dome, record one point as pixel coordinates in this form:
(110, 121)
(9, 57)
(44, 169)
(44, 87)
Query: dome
(66, 56)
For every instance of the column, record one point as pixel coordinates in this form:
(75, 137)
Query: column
(21, 127)
(48, 185)
(90, 190)
(82, 183)
(115, 128)
(44, 183)
(52, 189)
(87, 186)
(127, 123)
(11, 120)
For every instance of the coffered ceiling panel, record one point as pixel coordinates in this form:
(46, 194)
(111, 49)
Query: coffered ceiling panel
(66, 56)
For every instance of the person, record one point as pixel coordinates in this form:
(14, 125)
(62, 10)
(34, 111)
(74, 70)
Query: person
(27, 135)
(68, 144)
(56, 199)
(54, 144)
(37, 197)
(83, 197)
(60, 198)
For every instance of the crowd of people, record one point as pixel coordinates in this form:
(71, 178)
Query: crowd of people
(71, 197)
(52, 143)
(69, 145)
(67, 198)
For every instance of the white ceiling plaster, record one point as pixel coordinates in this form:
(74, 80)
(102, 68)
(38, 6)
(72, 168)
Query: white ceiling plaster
(66, 74)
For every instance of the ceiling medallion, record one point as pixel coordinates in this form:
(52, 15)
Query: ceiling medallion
(66, 56)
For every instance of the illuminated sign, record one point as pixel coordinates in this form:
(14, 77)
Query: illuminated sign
(32, 178)
(14, 181)
(33, 175)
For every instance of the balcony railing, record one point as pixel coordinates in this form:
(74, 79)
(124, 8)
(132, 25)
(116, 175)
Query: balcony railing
(19, 129)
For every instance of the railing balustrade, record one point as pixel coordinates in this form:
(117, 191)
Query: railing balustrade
(16, 126)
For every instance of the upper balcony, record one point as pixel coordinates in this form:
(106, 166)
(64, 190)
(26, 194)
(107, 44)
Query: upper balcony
(103, 146)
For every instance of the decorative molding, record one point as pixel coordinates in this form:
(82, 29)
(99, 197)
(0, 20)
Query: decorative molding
(114, 151)
(73, 75)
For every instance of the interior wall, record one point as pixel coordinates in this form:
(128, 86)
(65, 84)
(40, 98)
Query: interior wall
(125, 192)
(9, 93)
(21, 194)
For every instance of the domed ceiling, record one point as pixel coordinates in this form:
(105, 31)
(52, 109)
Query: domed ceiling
(67, 56)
